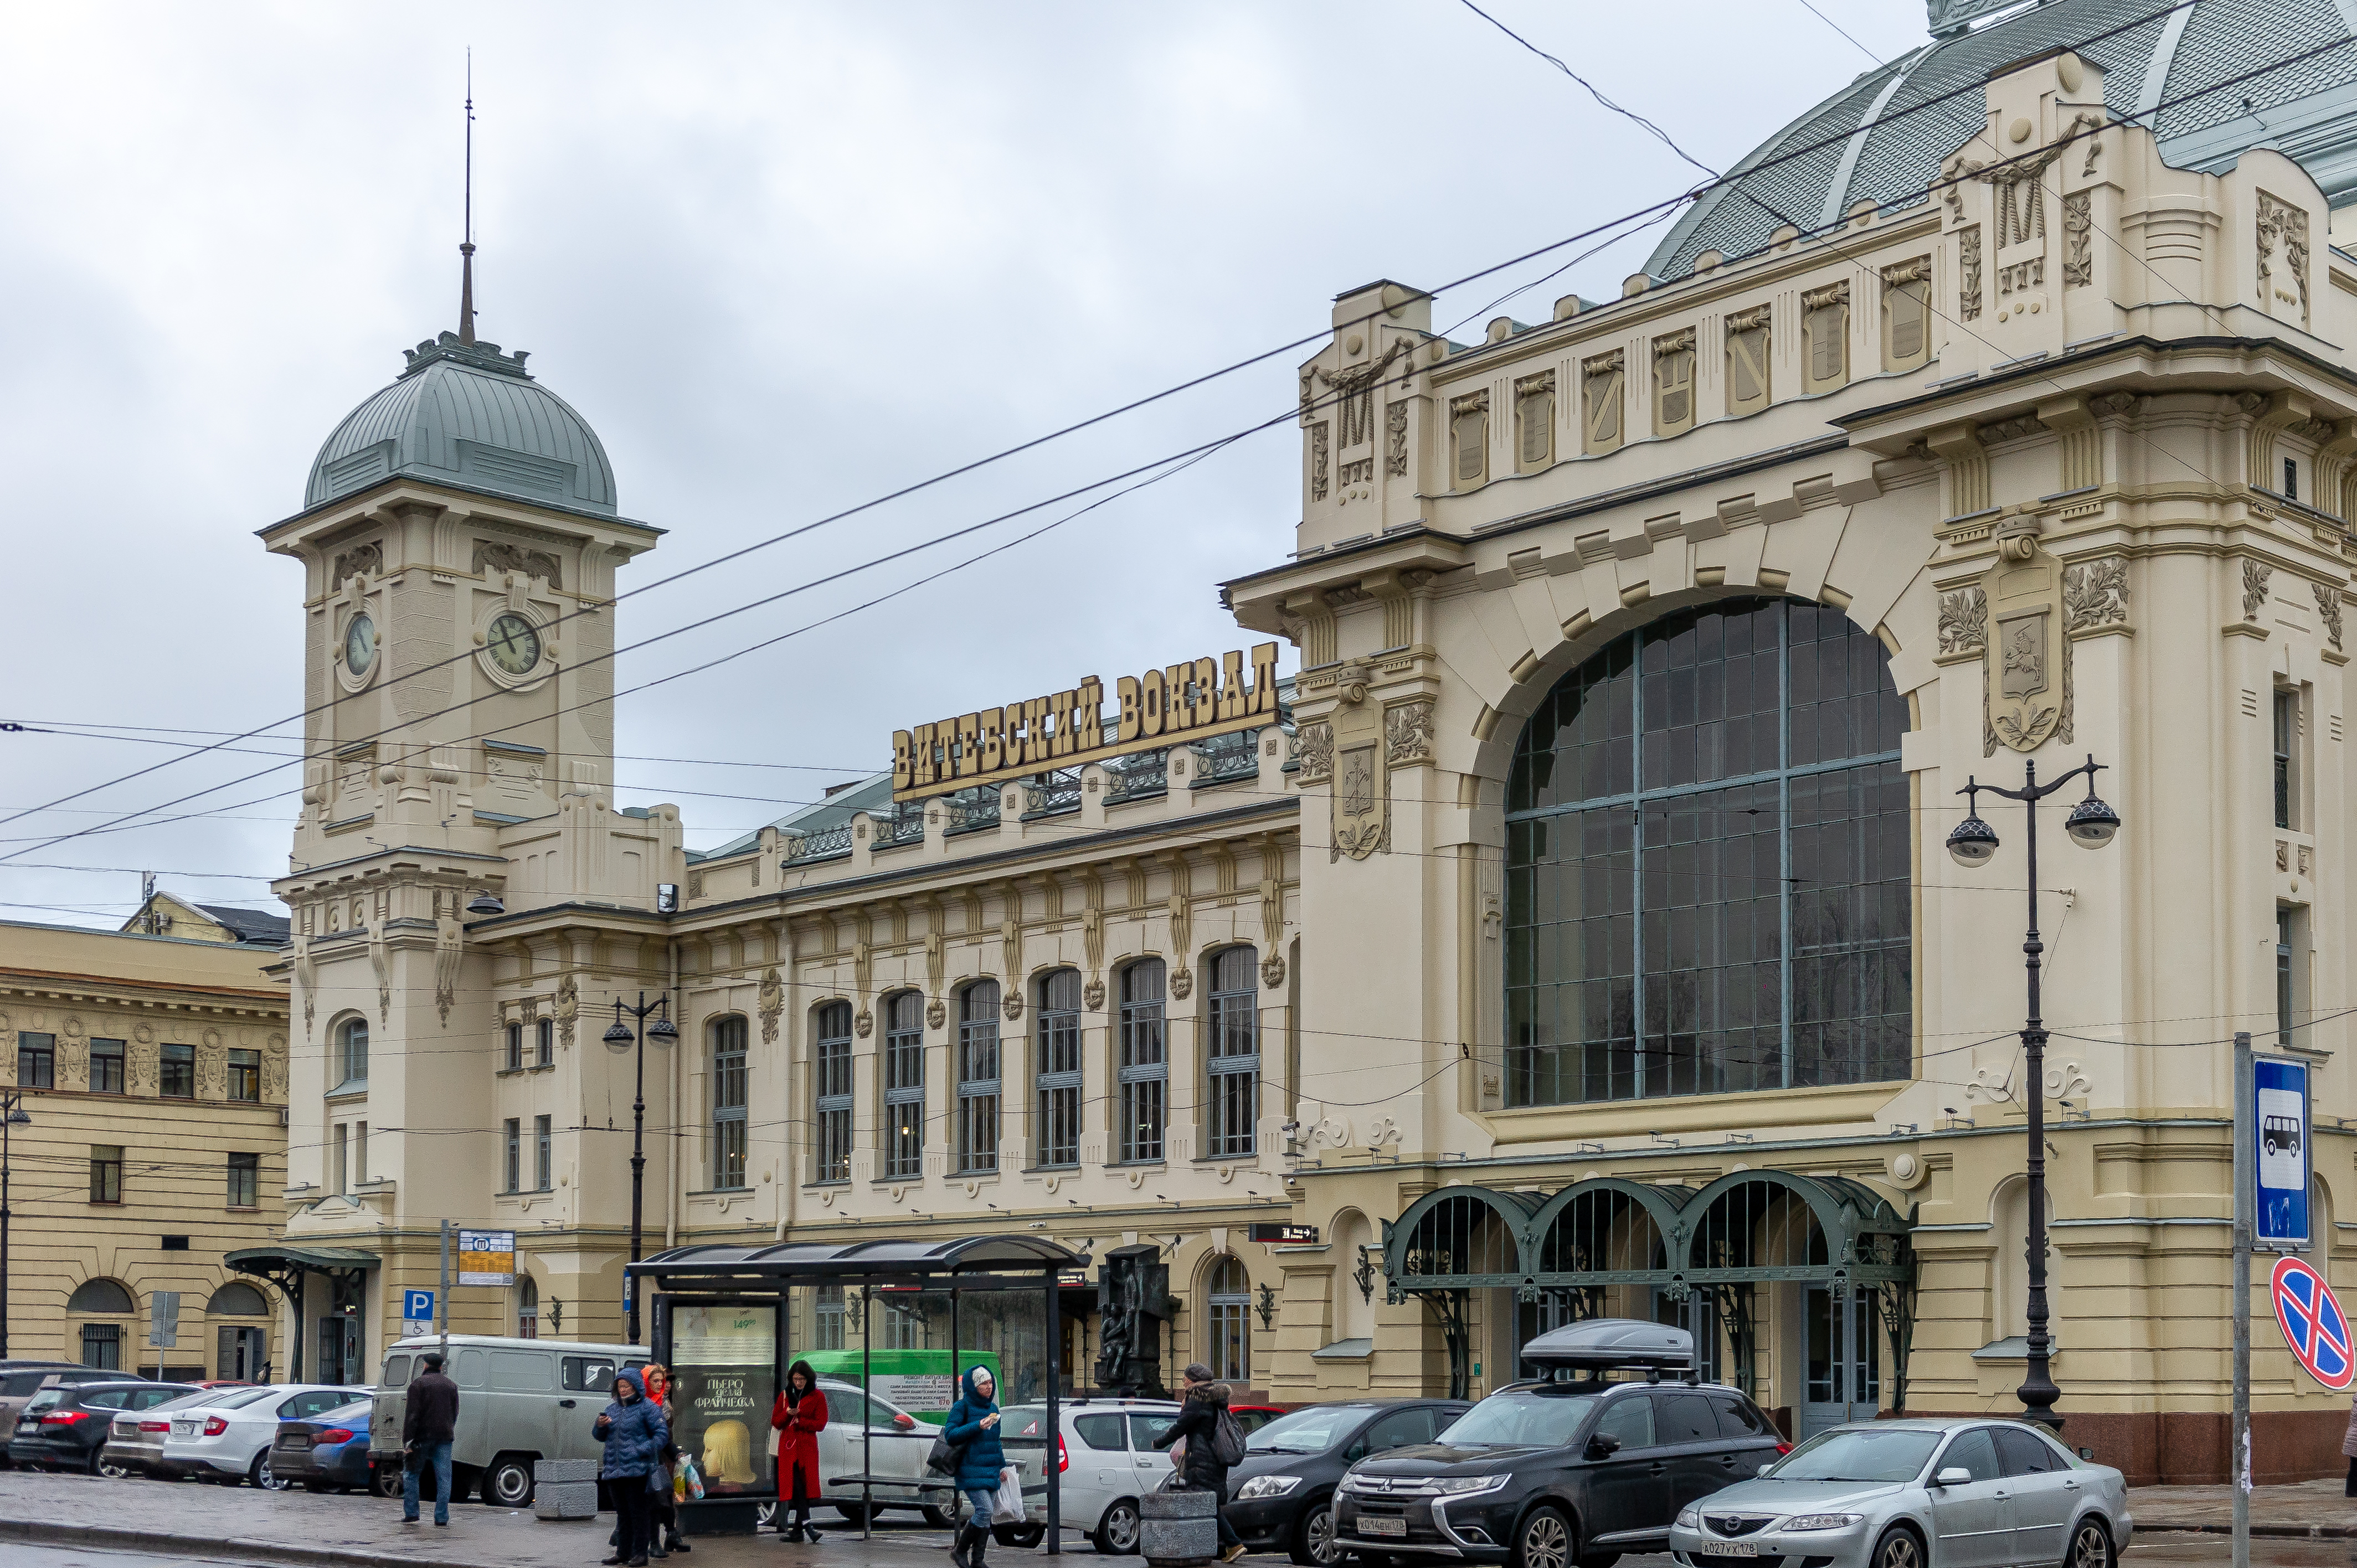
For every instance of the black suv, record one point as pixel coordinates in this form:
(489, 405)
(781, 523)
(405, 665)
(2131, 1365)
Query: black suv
(64, 1426)
(1555, 1474)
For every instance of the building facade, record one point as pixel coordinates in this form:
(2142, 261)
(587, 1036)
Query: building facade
(153, 1070)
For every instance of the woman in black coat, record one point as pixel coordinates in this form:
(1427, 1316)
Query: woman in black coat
(1205, 1402)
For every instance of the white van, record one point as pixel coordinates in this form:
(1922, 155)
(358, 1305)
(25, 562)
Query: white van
(518, 1400)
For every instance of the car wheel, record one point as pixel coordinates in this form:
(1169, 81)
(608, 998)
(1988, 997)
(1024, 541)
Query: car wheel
(2091, 1545)
(853, 1514)
(114, 1470)
(1313, 1538)
(939, 1519)
(385, 1480)
(1898, 1549)
(1116, 1533)
(1022, 1537)
(262, 1475)
(1544, 1541)
(508, 1482)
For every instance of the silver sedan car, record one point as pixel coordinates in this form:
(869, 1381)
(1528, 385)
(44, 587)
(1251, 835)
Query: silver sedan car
(1944, 1493)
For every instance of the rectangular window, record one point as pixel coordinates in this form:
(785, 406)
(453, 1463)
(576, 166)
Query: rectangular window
(544, 1035)
(36, 1061)
(904, 1087)
(105, 1067)
(339, 1173)
(1535, 421)
(831, 1093)
(1233, 1059)
(1469, 430)
(246, 1181)
(1907, 314)
(2291, 478)
(2286, 733)
(1145, 1062)
(544, 1155)
(1599, 402)
(106, 1173)
(827, 1331)
(177, 1072)
(1824, 328)
(515, 1047)
(728, 1073)
(1747, 361)
(245, 1076)
(977, 1079)
(360, 1151)
(1059, 1068)
(1674, 371)
(512, 1165)
(102, 1346)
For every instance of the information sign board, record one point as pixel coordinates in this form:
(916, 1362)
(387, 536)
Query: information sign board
(2280, 1142)
(164, 1319)
(486, 1258)
(417, 1306)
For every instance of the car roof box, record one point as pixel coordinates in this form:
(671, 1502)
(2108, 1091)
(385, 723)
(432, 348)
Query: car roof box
(1603, 1342)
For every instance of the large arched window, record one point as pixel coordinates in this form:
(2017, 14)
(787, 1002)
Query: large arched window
(1707, 859)
(831, 1093)
(904, 1086)
(1057, 1066)
(350, 1056)
(1229, 1295)
(977, 1078)
(1144, 1069)
(728, 1102)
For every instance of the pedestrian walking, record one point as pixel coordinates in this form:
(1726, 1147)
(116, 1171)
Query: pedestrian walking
(428, 1422)
(2349, 1447)
(634, 1433)
(1203, 1462)
(663, 1518)
(798, 1416)
(971, 1427)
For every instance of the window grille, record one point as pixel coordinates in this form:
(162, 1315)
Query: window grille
(729, 1074)
(1233, 1059)
(1060, 1079)
(1144, 1060)
(977, 1078)
(102, 1346)
(904, 1087)
(831, 1093)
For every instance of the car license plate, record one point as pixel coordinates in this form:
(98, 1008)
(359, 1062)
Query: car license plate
(29, 1426)
(1727, 1549)
(1376, 1524)
(183, 1428)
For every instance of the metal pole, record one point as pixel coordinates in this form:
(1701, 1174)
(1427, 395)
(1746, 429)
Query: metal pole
(637, 1163)
(2245, 1207)
(8, 1104)
(442, 1299)
(2038, 1391)
(868, 1428)
(957, 1379)
(1055, 1336)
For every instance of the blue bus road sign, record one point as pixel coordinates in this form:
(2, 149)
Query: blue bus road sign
(417, 1305)
(2280, 1142)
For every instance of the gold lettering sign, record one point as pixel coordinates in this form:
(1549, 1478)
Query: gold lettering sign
(1187, 701)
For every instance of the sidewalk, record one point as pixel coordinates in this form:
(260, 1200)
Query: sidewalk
(2311, 1509)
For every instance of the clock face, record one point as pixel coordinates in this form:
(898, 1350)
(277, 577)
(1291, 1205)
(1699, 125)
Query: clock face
(514, 644)
(359, 645)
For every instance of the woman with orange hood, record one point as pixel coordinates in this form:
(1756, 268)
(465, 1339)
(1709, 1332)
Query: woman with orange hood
(798, 1416)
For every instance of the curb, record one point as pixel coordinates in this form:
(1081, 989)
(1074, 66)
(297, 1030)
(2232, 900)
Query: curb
(165, 1543)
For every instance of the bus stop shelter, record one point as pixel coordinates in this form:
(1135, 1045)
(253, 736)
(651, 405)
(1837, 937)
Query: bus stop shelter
(728, 1320)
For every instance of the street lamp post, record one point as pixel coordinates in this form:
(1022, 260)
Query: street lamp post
(1973, 843)
(622, 1037)
(12, 1114)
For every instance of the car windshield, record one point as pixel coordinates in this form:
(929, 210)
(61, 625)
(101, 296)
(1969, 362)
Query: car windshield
(1312, 1431)
(245, 1397)
(1535, 1418)
(1853, 1455)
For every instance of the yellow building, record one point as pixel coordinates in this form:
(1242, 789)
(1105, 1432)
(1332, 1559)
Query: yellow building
(153, 1070)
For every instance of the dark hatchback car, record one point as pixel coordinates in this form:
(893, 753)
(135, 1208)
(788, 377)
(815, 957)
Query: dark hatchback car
(327, 1451)
(1281, 1498)
(1556, 1475)
(64, 1426)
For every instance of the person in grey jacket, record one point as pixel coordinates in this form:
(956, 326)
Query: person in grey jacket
(633, 1430)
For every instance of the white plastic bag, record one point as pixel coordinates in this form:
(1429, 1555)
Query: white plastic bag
(1007, 1507)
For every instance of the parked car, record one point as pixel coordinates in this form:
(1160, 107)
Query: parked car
(327, 1452)
(1281, 1498)
(66, 1426)
(1108, 1458)
(519, 1401)
(230, 1439)
(869, 1433)
(135, 1441)
(21, 1379)
(1894, 1494)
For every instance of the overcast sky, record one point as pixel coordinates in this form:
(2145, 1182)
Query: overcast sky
(784, 259)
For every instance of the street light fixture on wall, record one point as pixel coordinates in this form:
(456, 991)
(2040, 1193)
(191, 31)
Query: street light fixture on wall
(1973, 844)
(12, 1114)
(622, 1037)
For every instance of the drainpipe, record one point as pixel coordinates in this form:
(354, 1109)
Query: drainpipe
(670, 1161)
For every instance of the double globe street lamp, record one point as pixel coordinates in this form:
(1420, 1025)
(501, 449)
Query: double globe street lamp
(622, 1037)
(1973, 843)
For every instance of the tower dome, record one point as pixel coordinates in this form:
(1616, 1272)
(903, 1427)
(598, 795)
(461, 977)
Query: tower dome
(2156, 71)
(466, 415)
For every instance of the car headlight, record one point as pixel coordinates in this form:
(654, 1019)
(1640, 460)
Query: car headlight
(1266, 1486)
(1465, 1486)
(1690, 1518)
(1824, 1520)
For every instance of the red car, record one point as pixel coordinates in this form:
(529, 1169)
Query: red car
(1252, 1417)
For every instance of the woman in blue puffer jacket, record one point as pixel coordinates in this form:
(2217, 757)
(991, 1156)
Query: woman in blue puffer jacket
(634, 1433)
(973, 1423)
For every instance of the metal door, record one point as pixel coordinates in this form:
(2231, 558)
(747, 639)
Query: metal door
(1974, 1519)
(1843, 1372)
(2045, 1494)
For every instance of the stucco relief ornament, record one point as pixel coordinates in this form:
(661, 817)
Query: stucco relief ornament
(568, 1008)
(2095, 593)
(771, 1003)
(1407, 733)
(1315, 748)
(864, 1024)
(1093, 995)
(935, 1014)
(306, 979)
(2327, 608)
(449, 941)
(381, 960)
(1272, 971)
(2026, 690)
(2255, 587)
(1963, 621)
(1362, 805)
(2078, 232)
(1382, 1131)
(2000, 1089)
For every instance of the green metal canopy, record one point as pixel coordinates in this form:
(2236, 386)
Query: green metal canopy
(287, 1264)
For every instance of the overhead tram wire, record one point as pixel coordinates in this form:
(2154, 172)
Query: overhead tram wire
(1322, 335)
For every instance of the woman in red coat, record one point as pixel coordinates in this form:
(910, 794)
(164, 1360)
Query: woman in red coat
(798, 1417)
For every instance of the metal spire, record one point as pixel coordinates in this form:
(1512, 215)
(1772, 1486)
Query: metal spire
(467, 245)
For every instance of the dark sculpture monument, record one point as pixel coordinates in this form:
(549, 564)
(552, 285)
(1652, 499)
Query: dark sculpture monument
(1133, 1301)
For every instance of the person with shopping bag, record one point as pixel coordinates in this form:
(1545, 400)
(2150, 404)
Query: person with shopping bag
(971, 1429)
(634, 1433)
(798, 1416)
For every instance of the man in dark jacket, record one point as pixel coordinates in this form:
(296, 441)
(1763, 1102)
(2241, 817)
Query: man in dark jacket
(1205, 1406)
(429, 1422)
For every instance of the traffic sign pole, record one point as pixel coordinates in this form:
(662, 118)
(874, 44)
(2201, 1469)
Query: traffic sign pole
(2246, 1161)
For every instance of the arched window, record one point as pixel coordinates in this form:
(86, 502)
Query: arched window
(101, 1296)
(977, 1078)
(102, 1343)
(1232, 1062)
(904, 1086)
(1058, 1068)
(1706, 853)
(729, 1075)
(527, 1308)
(831, 1093)
(1230, 1351)
(351, 1054)
(237, 1299)
(1145, 1063)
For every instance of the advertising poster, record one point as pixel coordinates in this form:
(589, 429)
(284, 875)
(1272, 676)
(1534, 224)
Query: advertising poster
(724, 1378)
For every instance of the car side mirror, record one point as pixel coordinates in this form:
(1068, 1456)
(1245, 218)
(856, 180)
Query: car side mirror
(1953, 1476)
(904, 1421)
(1603, 1445)
(1764, 1469)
